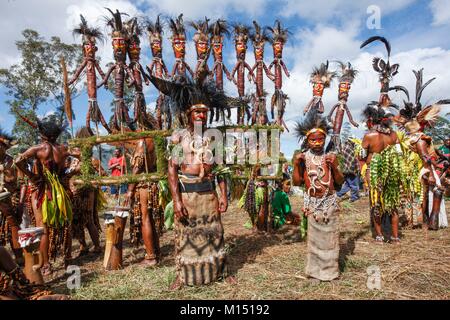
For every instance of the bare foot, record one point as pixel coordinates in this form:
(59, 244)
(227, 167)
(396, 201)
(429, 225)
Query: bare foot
(149, 262)
(176, 285)
(231, 280)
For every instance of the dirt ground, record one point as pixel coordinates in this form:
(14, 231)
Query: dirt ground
(271, 266)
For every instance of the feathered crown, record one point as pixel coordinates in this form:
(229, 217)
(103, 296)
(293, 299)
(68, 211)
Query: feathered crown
(241, 33)
(219, 28)
(278, 33)
(379, 65)
(88, 34)
(118, 31)
(133, 30)
(50, 127)
(377, 113)
(155, 30)
(201, 29)
(257, 34)
(177, 27)
(311, 123)
(322, 74)
(190, 94)
(412, 116)
(348, 73)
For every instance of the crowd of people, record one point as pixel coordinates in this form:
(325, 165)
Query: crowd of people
(64, 199)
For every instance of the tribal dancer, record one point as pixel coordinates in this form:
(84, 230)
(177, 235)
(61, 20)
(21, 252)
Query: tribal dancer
(157, 68)
(120, 68)
(319, 172)
(278, 40)
(134, 53)
(320, 78)
(384, 69)
(12, 197)
(199, 239)
(259, 38)
(50, 199)
(345, 81)
(143, 198)
(382, 154)
(89, 36)
(217, 32)
(178, 40)
(87, 202)
(414, 120)
(240, 43)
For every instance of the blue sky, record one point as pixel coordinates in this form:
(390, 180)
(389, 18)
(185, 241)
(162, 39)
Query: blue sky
(321, 30)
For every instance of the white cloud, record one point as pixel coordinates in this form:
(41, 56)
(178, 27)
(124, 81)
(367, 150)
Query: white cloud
(195, 9)
(441, 12)
(323, 10)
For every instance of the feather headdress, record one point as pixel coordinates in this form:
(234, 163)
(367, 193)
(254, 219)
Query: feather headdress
(177, 27)
(278, 33)
(311, 123)
(89, 34)
(322, 74)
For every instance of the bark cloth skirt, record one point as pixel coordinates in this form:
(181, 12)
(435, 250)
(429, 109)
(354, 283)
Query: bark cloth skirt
(199, 240)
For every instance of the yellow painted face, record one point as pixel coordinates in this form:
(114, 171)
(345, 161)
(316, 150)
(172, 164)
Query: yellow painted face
(277, 49)
(318, 88)
(344, 88)
(259, 51)
(119, 45)
(156, 47)
(179, 47)
(134, 50)
(217, 47)
(89, 49)
(316, 141)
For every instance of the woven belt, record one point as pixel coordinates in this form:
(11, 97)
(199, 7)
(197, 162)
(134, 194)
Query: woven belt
(204, 186)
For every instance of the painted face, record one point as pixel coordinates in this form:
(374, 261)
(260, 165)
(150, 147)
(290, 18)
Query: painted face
(134, 50)
(179, 47)
(217, 47)
(119, 47)
(241, 49)
(89, 49)
(199, 116)
(318, 89)
(156, 47)
(344, 88)
(202, 48)
(316, 141)
(277, 49)
(259, 51)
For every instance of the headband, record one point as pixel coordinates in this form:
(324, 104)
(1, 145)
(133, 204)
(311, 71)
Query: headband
(315, 130)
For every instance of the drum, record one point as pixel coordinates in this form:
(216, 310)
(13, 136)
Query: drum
(29, 236)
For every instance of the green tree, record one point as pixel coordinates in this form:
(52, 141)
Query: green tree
(37, 80)
(440, 130)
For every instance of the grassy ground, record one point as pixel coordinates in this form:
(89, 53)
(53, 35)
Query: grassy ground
(271, 266)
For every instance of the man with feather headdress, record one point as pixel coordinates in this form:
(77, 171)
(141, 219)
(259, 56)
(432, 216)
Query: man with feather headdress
(382, 154)
(50, 197)
(199, 240)
(319, 172)
(414, 119)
